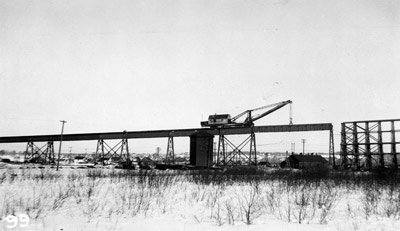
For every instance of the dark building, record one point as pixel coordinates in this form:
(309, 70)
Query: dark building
(181, 160)
(306, 161)
(201, 149)
(146, 161)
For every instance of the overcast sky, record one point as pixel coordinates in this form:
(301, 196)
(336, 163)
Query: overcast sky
(161, 64)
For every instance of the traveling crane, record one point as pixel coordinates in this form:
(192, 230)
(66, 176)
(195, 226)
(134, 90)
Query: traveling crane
(225, 120)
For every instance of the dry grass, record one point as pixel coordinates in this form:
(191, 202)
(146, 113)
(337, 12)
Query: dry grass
(219, 197)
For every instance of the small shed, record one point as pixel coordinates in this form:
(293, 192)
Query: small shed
(201, 149)
(79, 159)
(147, 161)
(181, 160)
(306, 161)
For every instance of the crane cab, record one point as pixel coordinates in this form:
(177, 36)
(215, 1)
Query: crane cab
(217, 120)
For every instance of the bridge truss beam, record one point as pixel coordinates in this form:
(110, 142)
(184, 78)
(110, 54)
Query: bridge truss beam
(363, 142)
(170, 155)
(105, 152)
(44, 154)
(236, 156)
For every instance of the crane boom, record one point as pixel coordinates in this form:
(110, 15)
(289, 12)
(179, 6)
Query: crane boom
(251, 119)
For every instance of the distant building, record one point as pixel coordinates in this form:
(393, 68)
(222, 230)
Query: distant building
(146, 161)
(181, 160)
(79, 159)
(114, 160)
(305, 161)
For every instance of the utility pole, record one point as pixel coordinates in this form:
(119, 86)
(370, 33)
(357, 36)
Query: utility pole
(61, 138)
(304, 142)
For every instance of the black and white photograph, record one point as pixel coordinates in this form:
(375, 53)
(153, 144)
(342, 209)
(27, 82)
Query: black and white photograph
(181, 115)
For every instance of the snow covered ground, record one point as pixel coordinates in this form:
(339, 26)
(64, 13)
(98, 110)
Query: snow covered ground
(80, 199)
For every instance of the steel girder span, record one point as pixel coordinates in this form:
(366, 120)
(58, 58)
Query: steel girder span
(121, 149)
